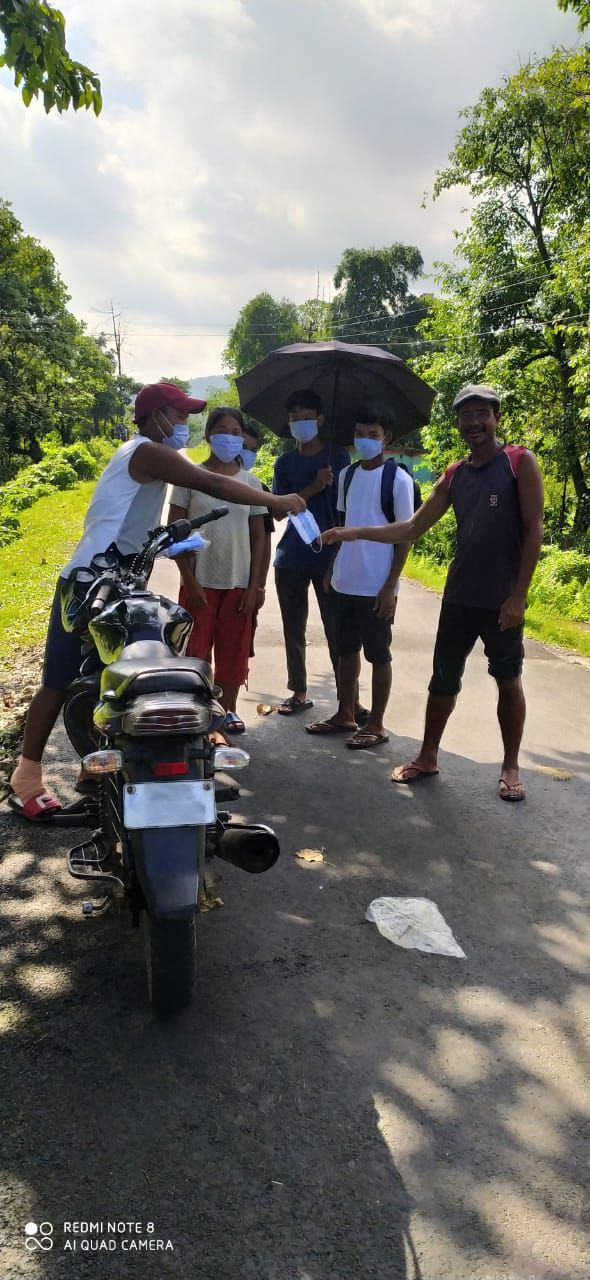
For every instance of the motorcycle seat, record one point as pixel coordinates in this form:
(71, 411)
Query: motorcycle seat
(132, 677)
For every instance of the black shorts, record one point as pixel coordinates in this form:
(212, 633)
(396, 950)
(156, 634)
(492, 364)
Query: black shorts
(458, 628)
(63, 649)
(358, 627)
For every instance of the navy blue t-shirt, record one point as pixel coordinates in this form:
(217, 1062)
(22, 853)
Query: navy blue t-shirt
(293, 472)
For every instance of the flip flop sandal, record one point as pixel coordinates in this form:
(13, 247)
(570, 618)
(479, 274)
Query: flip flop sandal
(328, 727)
(292, 707)
(233, 724)
(363, 741)
(419, 774)
(512, 792)
(38, 809)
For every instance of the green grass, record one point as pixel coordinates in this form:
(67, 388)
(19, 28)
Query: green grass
(549, 628)
(199, 453)
(30, 566)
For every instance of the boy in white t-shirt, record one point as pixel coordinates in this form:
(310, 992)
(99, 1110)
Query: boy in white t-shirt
(365, 576)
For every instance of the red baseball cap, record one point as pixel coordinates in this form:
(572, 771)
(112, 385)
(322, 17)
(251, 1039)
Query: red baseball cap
(157, 394)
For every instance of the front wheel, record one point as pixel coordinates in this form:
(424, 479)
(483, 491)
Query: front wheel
(170, 959)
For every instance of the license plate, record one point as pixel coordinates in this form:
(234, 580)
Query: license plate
(187, 803)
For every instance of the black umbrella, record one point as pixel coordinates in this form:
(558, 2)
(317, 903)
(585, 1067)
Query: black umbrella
(343, 376)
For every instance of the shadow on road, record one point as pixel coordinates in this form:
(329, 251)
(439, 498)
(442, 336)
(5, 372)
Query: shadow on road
(271, 1132)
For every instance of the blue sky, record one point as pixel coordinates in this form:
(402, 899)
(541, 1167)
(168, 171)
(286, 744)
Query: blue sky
(244, 144)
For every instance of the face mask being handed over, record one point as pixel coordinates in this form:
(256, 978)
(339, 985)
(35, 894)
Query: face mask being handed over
(308, 528)
(367, 448)
(304, 430)
(248, 457)
(180, 434)
(226, 447)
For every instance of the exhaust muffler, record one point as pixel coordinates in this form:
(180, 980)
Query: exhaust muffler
(251, 847)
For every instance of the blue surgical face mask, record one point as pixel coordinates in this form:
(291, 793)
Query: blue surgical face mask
(180, 434)
(226, 447)
(248, 457)
(307, 527)
(368, 449)
(304, 430)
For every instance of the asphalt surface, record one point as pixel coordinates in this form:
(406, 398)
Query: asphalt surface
(332, 1107)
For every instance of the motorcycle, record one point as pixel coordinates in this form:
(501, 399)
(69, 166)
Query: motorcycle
(140, 715)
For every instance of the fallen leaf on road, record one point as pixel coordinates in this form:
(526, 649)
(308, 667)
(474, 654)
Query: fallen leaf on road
(265, 709)
(558, 775)
(208, 901)
(310, 855)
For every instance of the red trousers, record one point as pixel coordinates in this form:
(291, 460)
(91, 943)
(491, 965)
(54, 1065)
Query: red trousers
(221, 633)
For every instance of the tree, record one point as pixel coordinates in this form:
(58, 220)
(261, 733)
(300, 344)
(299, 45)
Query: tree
(374, 303)
(510, 312)
(35, 49)
(315, 318)
(263, 324)
(54, 377)
(581, 7)
(183, 383)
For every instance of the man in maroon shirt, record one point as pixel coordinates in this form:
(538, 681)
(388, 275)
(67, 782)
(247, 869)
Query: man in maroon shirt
(497, 496)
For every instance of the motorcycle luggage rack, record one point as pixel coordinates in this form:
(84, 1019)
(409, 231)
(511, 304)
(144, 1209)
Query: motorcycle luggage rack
(86, 862)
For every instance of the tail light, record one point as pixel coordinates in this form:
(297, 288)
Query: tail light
(166, 713)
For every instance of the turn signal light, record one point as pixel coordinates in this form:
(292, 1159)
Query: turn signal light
(103, 762)
(230, 758)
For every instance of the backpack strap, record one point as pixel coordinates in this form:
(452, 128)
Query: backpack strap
(449, 475)
(415, 486)
(515, 454)
(387, 483)
(348, 474)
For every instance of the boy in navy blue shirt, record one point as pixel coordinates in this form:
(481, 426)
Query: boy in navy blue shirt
(312, 469)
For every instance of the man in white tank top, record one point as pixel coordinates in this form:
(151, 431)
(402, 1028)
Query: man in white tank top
(126, 503)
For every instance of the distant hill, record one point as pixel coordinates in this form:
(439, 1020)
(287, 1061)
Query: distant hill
(200, 386)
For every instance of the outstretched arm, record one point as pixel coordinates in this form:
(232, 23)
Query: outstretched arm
(155, 462)
(403, 530)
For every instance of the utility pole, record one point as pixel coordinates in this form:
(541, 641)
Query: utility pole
(117, 336)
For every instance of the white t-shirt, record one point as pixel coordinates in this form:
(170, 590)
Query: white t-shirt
(122, 510)
(226, 563)
(361, 568)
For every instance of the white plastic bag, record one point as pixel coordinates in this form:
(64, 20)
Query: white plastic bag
(413, 923)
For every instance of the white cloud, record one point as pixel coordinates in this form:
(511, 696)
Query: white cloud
(423, 19)
(244, 144)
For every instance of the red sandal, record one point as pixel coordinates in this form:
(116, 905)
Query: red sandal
(39, 808)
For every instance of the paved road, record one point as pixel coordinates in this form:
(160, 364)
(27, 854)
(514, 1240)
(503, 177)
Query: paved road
(333, 1107)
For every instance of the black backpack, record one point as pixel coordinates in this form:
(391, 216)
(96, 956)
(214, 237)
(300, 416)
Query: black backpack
(387, 481)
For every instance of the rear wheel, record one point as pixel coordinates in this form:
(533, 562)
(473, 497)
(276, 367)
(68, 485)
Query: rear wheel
(170, 958)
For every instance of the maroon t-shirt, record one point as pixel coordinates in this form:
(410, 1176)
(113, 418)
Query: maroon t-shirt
(489, 529)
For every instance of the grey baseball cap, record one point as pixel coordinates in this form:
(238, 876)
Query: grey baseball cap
(476, 393)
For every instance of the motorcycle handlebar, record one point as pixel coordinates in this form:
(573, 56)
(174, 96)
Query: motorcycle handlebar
(182, 529)
(216, 514)
(101, 598)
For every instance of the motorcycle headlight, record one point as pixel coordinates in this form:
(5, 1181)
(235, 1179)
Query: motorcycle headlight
(166, 713)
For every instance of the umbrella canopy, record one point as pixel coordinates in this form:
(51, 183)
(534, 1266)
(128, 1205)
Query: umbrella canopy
(343, 376)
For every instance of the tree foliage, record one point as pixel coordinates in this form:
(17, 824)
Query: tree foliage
(55, 379)
(580, 7)
(374, 303)
(35, 49)
(263, 324)
(514, 310)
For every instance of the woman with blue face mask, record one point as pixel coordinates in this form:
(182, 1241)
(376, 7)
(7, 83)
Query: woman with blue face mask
(222, 586)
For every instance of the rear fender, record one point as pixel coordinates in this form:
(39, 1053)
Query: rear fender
(167, 863)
